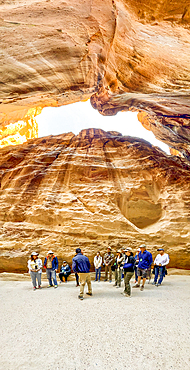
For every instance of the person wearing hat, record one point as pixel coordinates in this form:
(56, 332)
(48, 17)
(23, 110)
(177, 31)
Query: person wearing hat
(136, 263)
(97, 266)
(145, 261)
(118, 268)
(108, 262)
(160, 262)
(65, 271)
(51, 266)
(39, 262)
(81, 265)
(34, 270)
(128, 268)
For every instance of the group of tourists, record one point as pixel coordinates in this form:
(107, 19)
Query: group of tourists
(124, 265)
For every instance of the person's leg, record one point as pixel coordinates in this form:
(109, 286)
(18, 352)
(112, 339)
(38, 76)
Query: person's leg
(65, 276)
(39, 275)
(96, 277)
(48, 273)
(110, 273)
(106, 273)
(161, 273)
(136, 277)
(77, 279)
(82, 279)
(88, 280)
(116, 276)
(128, 277)
(61, 276)
(33, 277)
(119, 277)
(54, 277)
(99, 273)
(156, 274)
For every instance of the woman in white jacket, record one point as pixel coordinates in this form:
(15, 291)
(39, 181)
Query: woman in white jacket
(35, 270)
(97, 265)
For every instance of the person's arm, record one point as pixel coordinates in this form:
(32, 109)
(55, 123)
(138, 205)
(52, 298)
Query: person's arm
(56, 264)
(74, 266)
(166, 260)
(45, 262)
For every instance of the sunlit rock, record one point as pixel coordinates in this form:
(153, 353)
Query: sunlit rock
(90, 190)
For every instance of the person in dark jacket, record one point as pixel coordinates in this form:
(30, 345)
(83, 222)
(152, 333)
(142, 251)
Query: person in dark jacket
(145, 261)
(128, 268)
(51, 266)
(65, 271)
(118, 268)
(81, 265)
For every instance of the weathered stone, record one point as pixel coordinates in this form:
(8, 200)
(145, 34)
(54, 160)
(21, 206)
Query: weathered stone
(90, 190)
(125, 55)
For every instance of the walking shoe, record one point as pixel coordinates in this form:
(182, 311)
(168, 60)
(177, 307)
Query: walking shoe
(115, 284)
(158, 284)
(99, 281)
(34, 288)
(105, 279)
(60, 282)
(142, 287)
(49, 286)
(77, 285)
(55, 286)
(80, 297)
(39, 287)
(136, 286)
(88, 293)
(153, 283)
(110, 281)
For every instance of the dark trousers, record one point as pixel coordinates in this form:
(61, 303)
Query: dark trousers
(77, 278)
(63, 274)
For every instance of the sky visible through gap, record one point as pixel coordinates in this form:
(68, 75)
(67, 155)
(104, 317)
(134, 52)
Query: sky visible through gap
(78, 116)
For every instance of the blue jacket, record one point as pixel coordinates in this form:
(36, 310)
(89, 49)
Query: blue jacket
(145, 260)
(54, 263)
(65, 269)
(80, 263)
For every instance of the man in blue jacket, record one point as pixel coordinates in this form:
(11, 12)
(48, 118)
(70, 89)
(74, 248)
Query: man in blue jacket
(145, 261)
(81, 265)
(51, 266)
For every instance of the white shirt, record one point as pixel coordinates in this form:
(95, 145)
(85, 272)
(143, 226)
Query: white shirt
(163, 260)
(97, 262)
(31, 265)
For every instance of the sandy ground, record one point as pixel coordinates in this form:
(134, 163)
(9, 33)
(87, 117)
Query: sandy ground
(52, 329)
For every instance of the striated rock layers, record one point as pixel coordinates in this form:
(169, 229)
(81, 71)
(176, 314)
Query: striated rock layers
(124, 54)
(90, 190)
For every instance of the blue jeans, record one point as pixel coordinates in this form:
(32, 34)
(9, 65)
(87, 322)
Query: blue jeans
(159, 270)
(98, 272)
(51, 274)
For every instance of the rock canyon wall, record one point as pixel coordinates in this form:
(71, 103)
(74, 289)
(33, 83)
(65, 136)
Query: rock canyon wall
(124, 54)
(96, 187)
(91, 190)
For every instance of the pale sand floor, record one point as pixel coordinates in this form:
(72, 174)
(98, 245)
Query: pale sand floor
(53, 329)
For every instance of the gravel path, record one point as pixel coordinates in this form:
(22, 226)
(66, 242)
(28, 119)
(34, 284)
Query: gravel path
(52, 329)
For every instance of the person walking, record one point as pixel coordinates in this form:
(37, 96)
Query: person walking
(118, 268)
(81, 265)
(108, 261)
(145, 261)
(97, 265)
(34, 267)
(39, 276)
(136, 264)
(128, 268)
(64, 272)
(51, 266)
(160, 262)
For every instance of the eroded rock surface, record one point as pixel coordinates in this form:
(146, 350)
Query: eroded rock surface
(90, 190)
(125, 55)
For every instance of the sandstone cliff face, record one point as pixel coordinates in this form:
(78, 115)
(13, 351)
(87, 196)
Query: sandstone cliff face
(123, 54)
(90, 190)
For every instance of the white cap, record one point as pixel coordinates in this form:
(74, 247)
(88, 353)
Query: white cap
(50, 252)
(34, 254)
(128, 249)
